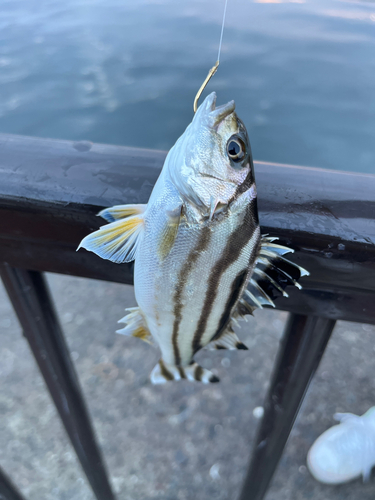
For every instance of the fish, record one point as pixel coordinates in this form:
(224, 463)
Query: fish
(200, 260)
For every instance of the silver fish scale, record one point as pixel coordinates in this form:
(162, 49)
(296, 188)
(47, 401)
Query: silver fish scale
(185, 295)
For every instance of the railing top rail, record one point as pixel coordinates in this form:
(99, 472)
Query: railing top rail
(50, 191)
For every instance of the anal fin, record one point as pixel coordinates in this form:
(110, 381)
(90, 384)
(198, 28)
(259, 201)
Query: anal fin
(164, 372)
(228, 340)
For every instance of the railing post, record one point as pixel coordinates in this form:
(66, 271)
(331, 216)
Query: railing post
(31, 300)
(7, 490)
(300, 352)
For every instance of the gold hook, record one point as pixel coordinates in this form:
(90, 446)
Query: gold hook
(203, 86)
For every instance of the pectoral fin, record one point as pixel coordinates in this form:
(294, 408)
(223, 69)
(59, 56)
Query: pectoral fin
(117, 241)
(169, 232)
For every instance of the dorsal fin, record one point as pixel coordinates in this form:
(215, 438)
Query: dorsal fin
(272, 272)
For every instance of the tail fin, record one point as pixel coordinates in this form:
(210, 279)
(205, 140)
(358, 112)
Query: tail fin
(163, 373)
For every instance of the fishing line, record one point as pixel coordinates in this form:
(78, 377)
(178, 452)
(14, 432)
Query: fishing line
(214, 68)
(222, 31)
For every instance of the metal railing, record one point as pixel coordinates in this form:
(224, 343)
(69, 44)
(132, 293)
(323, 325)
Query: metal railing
(50, 192)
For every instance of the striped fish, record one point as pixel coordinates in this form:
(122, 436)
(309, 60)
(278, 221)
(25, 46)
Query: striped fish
(200, 259)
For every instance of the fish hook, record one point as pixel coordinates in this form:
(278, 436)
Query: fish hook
(203, 86)
(214, 68)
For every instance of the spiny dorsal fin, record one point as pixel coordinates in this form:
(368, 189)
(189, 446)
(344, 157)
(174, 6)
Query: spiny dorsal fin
(244, 308)
(117, 241)
(262, 275)
(136, 325)
(274, 254)
(228, 340)
(121, 212)
(259, 293)
(272, 271)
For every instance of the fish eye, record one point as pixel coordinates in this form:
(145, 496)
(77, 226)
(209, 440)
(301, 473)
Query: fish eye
(236, 149)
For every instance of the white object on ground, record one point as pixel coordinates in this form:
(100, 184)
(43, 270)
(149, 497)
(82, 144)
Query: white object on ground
(258, 412)
(345, 451)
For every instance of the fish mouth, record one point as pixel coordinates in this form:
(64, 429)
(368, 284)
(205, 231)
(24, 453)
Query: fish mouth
(212, 113)
(217, 113)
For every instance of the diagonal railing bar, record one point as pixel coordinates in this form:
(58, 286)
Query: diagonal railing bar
(301, 349)
(31, 300)
(7, 490)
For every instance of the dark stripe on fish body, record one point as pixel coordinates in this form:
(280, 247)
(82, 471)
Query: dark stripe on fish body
(201, 245)
(245, 186)
(182, 372)
(163, 370)
(247, 183)
(235, 290)
(198, 372)
(236, 242)
(256, 216)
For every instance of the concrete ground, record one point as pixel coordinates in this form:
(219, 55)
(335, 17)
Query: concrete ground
(173, 442)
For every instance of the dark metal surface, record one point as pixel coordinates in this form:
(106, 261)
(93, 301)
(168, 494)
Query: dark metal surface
(300, 352)
(31, 300)
(7, 490)
(51, 190)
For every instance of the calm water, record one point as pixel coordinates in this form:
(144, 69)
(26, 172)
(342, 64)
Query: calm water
(126, 72)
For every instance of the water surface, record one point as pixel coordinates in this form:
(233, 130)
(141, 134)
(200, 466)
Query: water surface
(126, 72)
